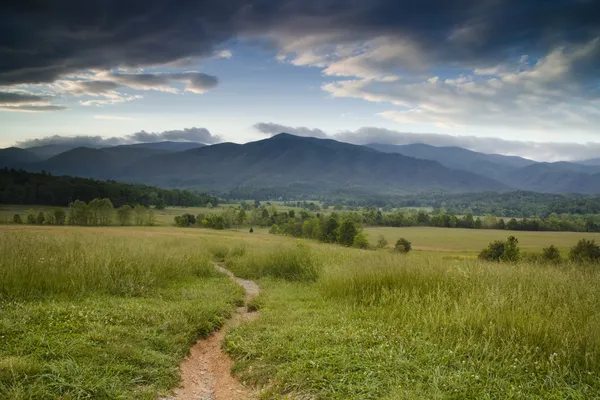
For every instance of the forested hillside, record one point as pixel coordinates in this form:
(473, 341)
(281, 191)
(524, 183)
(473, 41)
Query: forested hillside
(20, 187)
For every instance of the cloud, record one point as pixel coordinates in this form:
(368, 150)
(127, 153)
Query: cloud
(272, 129)
(33, 108)
(26, 102)
(470, 31)
(200, 135)
(540, 151)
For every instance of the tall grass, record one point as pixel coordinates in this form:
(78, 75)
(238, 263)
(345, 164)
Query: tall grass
(39, 265)
(296, 262)
(382, 325)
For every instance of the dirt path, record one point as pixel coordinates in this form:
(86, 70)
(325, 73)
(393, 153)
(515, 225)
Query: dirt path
(206, 372)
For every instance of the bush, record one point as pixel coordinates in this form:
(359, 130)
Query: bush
(31, 219)
(585, 251)
(361, 241)
(347, 232)
(551, 254)
(185, 220)
(382, 242)
(40, 219)
(502, 251)
(17, 219)
(403, 246)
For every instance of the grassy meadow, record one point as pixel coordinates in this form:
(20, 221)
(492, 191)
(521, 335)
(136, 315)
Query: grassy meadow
(87, 313)
(469, 241)
(109, 312)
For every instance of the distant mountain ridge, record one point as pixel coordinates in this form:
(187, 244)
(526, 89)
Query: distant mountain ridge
(293, 164)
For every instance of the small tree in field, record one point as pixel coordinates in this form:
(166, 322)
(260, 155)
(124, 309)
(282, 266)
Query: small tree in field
(361, 241)
(31, 219)
(347, 232)
(403, 246)
(40, 218)
(124, 214)
(17, 219)
(59, 216)
(160, 204)
(140, 214)
(551, 254)
(585, 251)
(382, 242)
(502, 251)
(151, 217)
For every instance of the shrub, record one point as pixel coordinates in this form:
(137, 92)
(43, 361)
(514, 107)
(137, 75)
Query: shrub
(551, 254)
(40, 218)
(31, 219)
(382, 242)
(403, 246)
(347, 232)
(17, 219)
(502, 251)
(59, 216)
(585, 251)
(361, 241)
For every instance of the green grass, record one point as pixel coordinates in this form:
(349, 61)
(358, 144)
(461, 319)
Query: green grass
(378, 325)
(471, 241)
(85, 314)
(336, 323)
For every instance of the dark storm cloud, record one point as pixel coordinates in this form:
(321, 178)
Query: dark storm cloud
(16, 98)
(200, 135)
(40, 42)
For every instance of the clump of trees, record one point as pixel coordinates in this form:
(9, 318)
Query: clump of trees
(499, 250)
(585, 251)
(403, 246)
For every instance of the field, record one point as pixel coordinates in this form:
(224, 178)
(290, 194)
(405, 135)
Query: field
(109, 313)
(468, 241)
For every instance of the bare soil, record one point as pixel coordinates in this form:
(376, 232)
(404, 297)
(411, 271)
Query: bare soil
(206, 372)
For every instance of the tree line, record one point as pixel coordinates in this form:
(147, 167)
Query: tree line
(98, 212)
(584, 252)
(21, 187)
(267, 216)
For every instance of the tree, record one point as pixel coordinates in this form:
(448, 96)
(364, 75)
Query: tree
(78, 213)
(31, 219)
(124, 214)
(361, 241)
(585, 251)
(209, 205)
(511, 250)
(498, 250)
(242, 217)
(140, 214)
(151, 217)
(59, 216)
(40, 218)
(17, 219)
(403, 246)
(105, 211)
(346, 233)
(160, 204)
(49, 218)
(382, 242)
(551, 254)
(330, 229)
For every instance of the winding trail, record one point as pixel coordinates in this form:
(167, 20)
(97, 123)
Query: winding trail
(206, 372)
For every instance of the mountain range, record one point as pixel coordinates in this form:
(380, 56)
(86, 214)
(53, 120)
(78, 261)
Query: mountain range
(292, 164)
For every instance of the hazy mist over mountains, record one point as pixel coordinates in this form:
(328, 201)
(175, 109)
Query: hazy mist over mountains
(291, 163)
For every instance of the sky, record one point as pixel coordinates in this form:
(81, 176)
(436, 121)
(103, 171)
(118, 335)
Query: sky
(497, 76)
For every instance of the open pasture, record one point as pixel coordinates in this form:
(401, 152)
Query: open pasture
(109, 312)
(471, 241)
